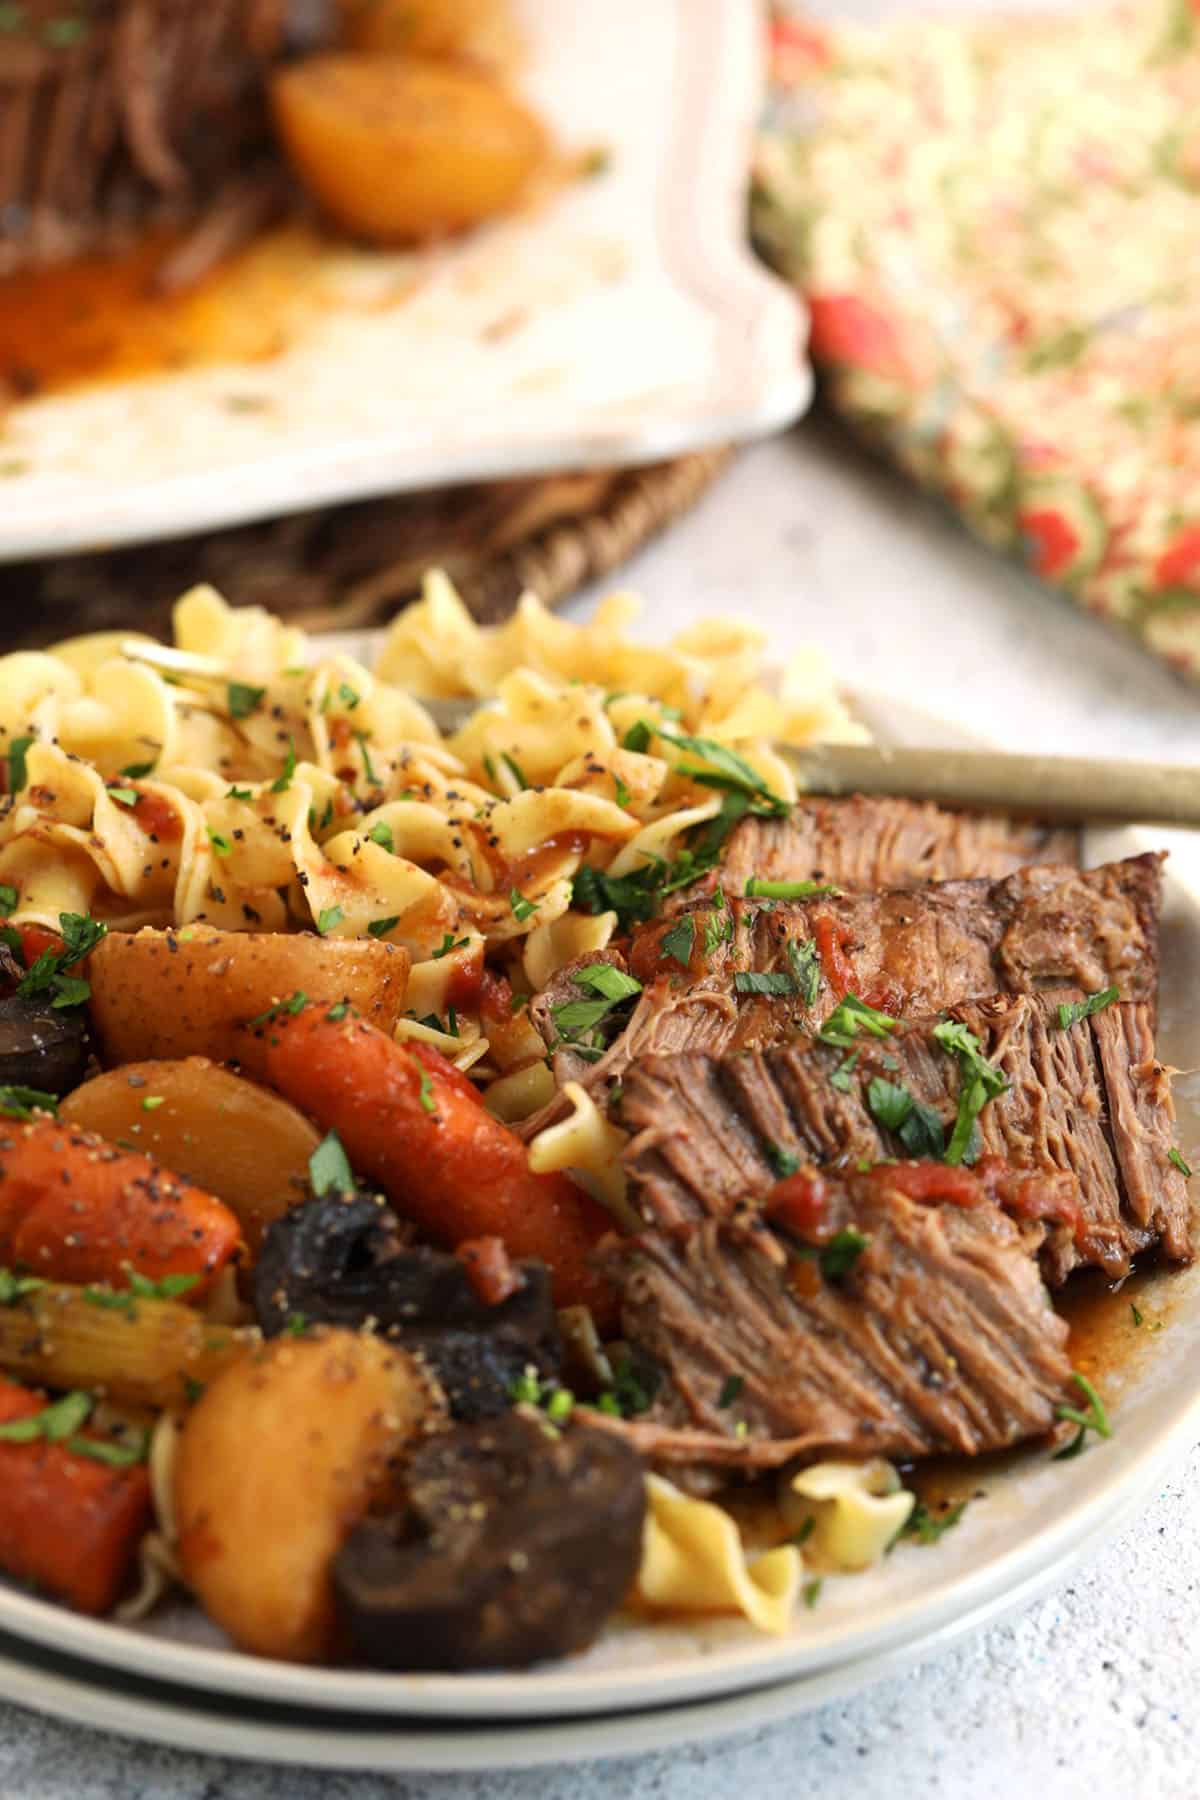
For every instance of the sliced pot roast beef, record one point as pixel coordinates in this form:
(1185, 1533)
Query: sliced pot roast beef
(1089, 1100)
(864, 842)
(749, 972)
(871, 1324)
(135, 112)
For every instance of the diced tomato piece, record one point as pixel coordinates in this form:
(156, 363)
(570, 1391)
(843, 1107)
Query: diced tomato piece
(798, 1203)
(490, 1269)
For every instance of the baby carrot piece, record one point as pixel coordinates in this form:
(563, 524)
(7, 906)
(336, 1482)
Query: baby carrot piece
(67, 1523)
(412, 1122)
(75, 1208)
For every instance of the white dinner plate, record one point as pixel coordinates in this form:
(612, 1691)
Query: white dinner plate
(1029, 1526)
(82, 1694)
(622, 321)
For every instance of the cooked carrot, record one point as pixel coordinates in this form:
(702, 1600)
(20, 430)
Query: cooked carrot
(68, 1524)
(413, 1123)
(75, 1208)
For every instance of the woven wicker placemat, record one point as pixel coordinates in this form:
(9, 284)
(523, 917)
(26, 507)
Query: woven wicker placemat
(349, 567)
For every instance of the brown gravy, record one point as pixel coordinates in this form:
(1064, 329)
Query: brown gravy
(103, 318)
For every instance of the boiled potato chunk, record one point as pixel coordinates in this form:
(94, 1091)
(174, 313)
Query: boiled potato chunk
(166, 994)
(280, 1456)
(476, 31)
(397, 150)
(224, 1134)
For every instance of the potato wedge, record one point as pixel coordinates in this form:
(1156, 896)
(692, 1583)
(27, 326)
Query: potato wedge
(223, 1133)
(282, 1454)
(399, 150)
(160, 995)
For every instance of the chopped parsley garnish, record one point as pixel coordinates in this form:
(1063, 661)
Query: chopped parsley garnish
(637, 738)
(295, 1003)
(1071, 1012)
(514, 769)
(782, 1161)
(283, 782)
(805, 1532)
(560, 1406)
(124, 796)
(449, 943)
(379, 928)
(620, 791)
(329, 918)
(347, 696)
(139, 771)
(140, 1287)
(522, 908)
(296, 1324)
(852, 1016)
(632, 897)
(730, 1389)
(805, 965)
(919, 1129)
(979, 1082)
(812, 1592)
(788, 890)
(360, 738)
(1134, 1314)
(80, 936)
(240, 793)
(606, 979)
(329, 1170)
(889, 1103)
(112, 1454)
(220, 843)
(749, 981)
(719, 929)
(18, 775)
(338, 1011)
(8, 899)
(576, 1017)
(152, 1102)
(20, 1102)
(839, 1255)
(16, 1287)
(841, 1077)
(1094, 1419)
(726, 768)
(1176, 1157)
(425, 1094)
(635, 1383)
(381, 834)
(243, 700)
(528, 1389)
(680, 942)
(926, 1527)
(61, 1419)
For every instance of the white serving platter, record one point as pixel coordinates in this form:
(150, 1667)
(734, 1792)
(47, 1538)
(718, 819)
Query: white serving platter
(622, 321)
(1026, 1533)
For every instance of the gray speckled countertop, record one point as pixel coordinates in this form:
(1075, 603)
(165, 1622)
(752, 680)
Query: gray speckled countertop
(1094, 1691)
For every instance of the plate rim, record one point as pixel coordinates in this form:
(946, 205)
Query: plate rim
(753, 1663)
(84, 1696)
(701, 241)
